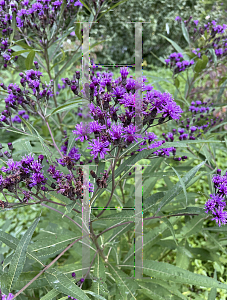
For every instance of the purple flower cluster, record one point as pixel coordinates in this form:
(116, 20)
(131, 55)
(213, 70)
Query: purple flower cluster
(176, 62)
(23, 97)
(215, 38)
(21, 113)
(216, 204)
(200, 121)
(29, 171)
(37, 17)
(114, 112)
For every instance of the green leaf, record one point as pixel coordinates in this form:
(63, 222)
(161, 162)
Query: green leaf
(182, 184)
(165, 271)
(214, 56)
(78, 31)
(151, 201)
(63, 284)
(71, 142)
(19, 52)
(178, 187)
(216, 228)
(192, 226)
(178, 48)
(125, 284)
(213, 292)
(201, 64)
(26, 277)
(29, 60)
(112, 7)
(95, 295)
(149, 239)
(182, 257)
(22, 44)
(85, 5)
(59, 62)
(185, 32)
(18, 260)
(154, 291)
(99, 277)
(176, 82)
(45, 148)
(67, 106)
(50, 295)
(12, 242)
(69, 208)
(170, 226)
(221, 91)
(216, 242)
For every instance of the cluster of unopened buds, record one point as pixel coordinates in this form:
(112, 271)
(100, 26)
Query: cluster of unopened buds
(216, 205)
(100, 181)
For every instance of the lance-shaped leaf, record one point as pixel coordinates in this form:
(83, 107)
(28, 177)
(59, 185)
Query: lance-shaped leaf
(165, 271)
(63, 284)
(98, 282)
(213, 292)
(29, 60)
(66, 106)
(177, 47)
(12, 242)
(178, 187)
(19, 256)
(126, 285)
(185, 32)
(50, 295)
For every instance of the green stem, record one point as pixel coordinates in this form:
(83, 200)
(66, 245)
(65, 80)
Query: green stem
(54, 96)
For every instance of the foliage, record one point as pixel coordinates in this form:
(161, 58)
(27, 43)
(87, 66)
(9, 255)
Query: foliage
(44, 193)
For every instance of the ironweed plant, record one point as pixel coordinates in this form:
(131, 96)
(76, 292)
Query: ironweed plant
(105, 128)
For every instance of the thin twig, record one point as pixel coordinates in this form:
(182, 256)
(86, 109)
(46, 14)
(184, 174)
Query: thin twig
(62, 214)
(48, 266)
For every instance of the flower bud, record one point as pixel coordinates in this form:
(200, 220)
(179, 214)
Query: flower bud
(93, 174)
(73, 274)
(74, 89)
(36, 65)
(77, 74)
(3, 86)
(10, 146)
(219, 171)
(7, 154)
(53, 185)
(40, 158)
(68, 81)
